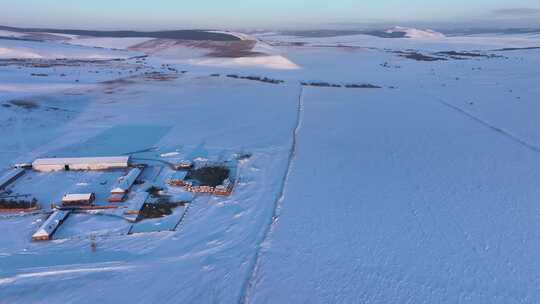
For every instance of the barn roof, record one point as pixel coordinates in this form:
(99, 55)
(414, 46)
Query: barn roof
(9, 176)
(124, 183)
(77, 197)
(80, 160)
(50, 225)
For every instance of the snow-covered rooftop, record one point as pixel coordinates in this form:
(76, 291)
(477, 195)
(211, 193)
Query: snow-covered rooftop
(77, 197)
(124, 183)
(81, 160)
(51, 224)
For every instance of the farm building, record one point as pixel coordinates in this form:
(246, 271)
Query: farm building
(117, 197)
(124, 183)
(46, 231)
(18, 205)
(225, 189)
(78, 199)
(183, 165)
(136, 204)
(10, 177)
(81, 163)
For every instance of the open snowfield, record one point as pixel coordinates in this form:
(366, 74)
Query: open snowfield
(379, 170)
(428, 207)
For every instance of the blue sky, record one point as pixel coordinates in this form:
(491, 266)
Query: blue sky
(146, 14)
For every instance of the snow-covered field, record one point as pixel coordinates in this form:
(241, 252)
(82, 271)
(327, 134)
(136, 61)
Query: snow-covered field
(380, 171)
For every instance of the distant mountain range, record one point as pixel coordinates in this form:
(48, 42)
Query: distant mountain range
(405, 32)
(508, 31)
(175, 34)
(395, 32)
(208, 35)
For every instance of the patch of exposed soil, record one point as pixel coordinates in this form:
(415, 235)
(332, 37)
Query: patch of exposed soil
(225, 49)
(257, 78)
(336, 85)
(321, 84)
(25, 104)
(517, 49)
(419, 56)
(209, 176)
(118, 82)
(51, 63)
(158, 209)
(466, 55)
(283, 43)
(362, 86)
(157, 76)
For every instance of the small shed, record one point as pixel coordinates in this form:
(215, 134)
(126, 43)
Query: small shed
(183, 165)
(78, 199)
(49, 227)
(80, 163)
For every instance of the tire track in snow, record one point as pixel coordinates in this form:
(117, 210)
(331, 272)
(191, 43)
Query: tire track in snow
(251, 278)
(503, 132)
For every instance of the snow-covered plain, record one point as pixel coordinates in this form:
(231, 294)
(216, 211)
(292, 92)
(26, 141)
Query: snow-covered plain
(11, 49)
(424, 190)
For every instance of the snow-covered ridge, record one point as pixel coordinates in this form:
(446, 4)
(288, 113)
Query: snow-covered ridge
(240, 36)
(51, 50)
(415, 33)
(10, 34)
(108, 42)
(247, 51)
(275, 62)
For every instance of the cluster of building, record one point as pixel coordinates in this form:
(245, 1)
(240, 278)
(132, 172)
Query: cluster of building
(71, 202)
(74, 201)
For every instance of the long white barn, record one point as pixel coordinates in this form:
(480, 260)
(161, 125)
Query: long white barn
(80, 163)
(124, 183)
(48, 228)
(10, 177)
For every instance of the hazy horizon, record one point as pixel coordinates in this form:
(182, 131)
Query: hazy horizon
(279, 14)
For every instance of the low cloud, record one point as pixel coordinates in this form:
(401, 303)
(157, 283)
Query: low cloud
(518, 12)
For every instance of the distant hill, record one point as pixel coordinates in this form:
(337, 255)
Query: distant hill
(177, 34)
(502, 31)
(396, 32)
(403, 32)
(406, 32)
(322, 33)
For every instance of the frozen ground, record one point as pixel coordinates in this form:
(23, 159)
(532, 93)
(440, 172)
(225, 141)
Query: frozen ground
(421, 191)
(429, 206)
